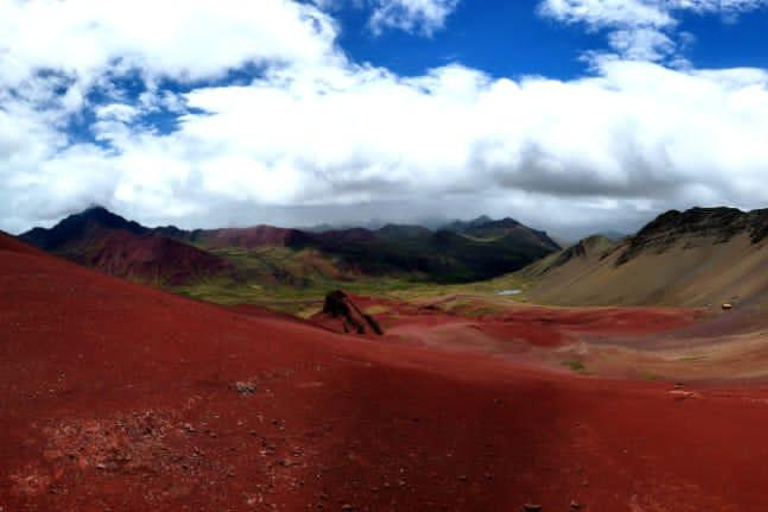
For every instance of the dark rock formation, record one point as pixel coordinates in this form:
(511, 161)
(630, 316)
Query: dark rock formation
(340, 308)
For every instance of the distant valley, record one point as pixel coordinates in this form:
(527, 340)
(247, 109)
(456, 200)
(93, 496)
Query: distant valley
(233, 265)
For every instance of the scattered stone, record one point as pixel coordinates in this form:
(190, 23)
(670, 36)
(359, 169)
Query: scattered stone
(52, 454)
(463, 478)
(680, 395)
(347, 507)
(245, 388)
(530, 507)
(575, 505)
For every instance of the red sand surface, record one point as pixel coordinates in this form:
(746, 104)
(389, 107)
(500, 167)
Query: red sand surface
(557, 326)
(115, 396)
(534, 326)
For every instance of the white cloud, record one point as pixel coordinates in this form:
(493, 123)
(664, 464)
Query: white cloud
(183, 39)
(422, 16)
(641, 29)
(636, 133)
(316, 137)
(601, 13)
(642, 43)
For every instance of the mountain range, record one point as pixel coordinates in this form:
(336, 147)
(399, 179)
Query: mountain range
(698, 257)
(461, 252)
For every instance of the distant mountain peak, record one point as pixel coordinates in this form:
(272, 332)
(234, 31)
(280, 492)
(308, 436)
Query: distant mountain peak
(77, 224)
(483, 219)
(505, 222)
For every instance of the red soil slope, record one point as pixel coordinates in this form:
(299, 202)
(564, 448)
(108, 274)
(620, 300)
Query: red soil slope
(115, 396)
(532, 325)
(153, 258)
(12, 244)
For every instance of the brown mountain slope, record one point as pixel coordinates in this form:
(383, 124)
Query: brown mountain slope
(700, 257)
(100, 239)
(249, 238)
(579, 256)
(151, 258)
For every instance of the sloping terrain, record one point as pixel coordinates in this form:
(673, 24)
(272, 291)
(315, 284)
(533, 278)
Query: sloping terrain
(10, 243)
(115, 396)
(580, 256)
(701, 257)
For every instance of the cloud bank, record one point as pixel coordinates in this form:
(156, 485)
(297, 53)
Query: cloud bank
(310, 136)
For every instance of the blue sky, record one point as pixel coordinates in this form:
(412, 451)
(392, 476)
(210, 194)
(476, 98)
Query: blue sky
(510, 39)
(571, 115)
(501, 38)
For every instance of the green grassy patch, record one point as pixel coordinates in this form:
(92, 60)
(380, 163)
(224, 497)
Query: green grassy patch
(575, 365)
(378, 309)
(296, 281)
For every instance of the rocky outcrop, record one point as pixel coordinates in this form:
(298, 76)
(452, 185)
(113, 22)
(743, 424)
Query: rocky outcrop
(341, 314)
(718, 224)
(596, 245)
